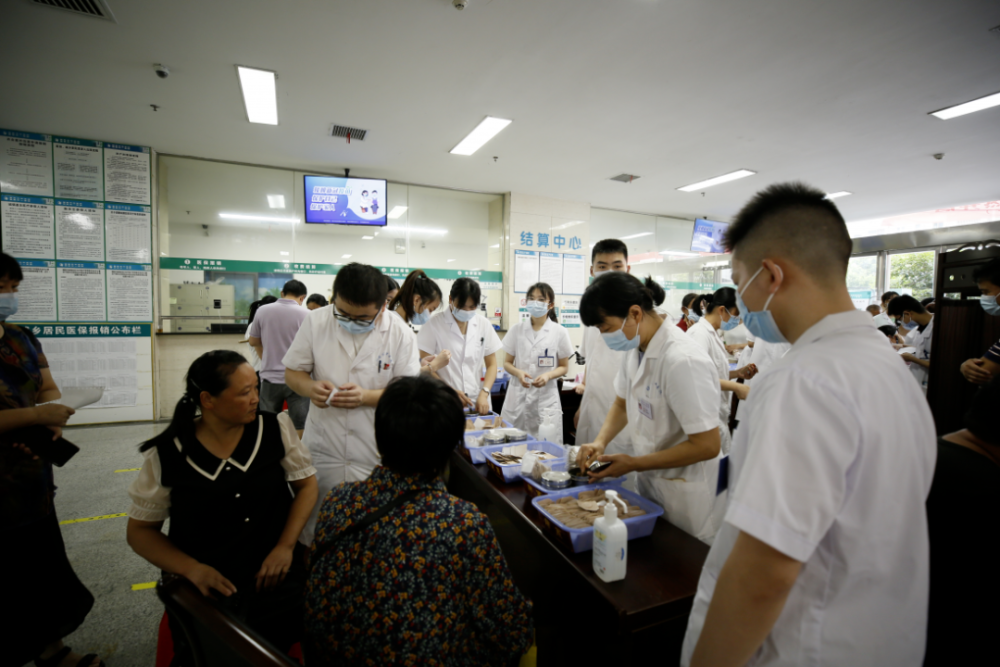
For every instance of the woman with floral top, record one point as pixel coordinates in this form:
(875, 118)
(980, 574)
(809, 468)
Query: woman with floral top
(425, 581)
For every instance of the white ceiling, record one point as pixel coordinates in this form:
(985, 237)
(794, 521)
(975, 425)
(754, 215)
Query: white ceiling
(834, 93)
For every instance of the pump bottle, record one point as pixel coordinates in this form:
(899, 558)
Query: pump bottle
(548, 429)
(610, 541)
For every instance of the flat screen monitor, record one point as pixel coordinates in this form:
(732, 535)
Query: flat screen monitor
(333, 200)
(708, 236)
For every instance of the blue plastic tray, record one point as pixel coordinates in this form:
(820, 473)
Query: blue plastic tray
(582, 539)
(476, 453)
(535, 489)
(512, 471)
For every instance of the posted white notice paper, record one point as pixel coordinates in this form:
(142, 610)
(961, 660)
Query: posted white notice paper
(551, 271)
(26, 163)
(525, 269)
(79, 168)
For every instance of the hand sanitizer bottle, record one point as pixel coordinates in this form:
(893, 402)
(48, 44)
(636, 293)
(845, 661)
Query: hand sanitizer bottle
(610, 541)
(548, 429)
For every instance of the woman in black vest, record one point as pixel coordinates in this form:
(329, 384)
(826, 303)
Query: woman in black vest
(223, 480)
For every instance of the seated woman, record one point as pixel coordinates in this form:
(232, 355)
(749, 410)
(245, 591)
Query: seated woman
(402, 572)
(223, 480)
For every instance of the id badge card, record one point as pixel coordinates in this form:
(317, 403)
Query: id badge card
(546, 362)
(646, 408)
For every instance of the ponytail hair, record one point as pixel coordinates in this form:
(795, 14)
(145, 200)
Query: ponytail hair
(612, 294)
(210, 372)
(255, 306)
(701, 303)
(688, 298)
(724, 297)
(416, 284)
(549, 295)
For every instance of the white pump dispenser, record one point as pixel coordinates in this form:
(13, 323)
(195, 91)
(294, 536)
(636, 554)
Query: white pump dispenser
(611, 540)
(548, 429)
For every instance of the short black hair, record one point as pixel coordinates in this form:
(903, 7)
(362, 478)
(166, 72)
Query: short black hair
(318, 299)
(888, 330)
(614, 293)
(877, 308)
(724, 297)
(255, 306)
(390, 284)
(549, 295)
(981, 418)
(464, 289)
(904, 302)
(419, 421)
(989, 272)
(294, 288)
(609, 247)
(9, 268)
(688, 298)
(797, 222)
(360, 285)
(927, 301)
(889, 296)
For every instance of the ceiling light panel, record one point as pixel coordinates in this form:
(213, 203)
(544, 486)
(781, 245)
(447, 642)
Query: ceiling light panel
(276, 201)
(397, 212)
(838, 195)
(486, 130)
(725, 178)
(987, 102)
(260, 94)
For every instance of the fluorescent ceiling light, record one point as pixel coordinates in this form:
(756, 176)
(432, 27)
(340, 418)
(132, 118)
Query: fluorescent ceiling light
(715, 264)
(495, 246)
(835, 195)
(634, 236)
(260, 95)
(969, 107)
(344, 256)
(725, 178)
(486, 130)
(284, 253)
(276, 201)
(417, 230)
(259, 218)
(451, 260)
(367, 238)
(680, 253)
(397, 211)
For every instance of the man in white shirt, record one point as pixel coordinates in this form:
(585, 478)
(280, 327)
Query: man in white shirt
(920, 324)
(342, 359)
(823, 558)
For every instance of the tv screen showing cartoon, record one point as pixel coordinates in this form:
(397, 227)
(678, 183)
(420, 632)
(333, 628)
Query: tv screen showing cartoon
(332, 200)
(708, 236)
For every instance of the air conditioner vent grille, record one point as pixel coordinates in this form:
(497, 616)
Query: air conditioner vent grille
(355, 133)
(625, 178)
(97, 9)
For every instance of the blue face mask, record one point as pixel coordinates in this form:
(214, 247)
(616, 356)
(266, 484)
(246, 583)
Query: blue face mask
(761, 324)
(731, 324)
(619, 342)
(693, 316)
(911, 325)
(8, 305)
(989, 304)
(463, 315)
(355, 328)
(537, 308)
(421, 318)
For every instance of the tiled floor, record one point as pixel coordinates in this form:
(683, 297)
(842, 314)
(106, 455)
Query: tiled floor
(123, 624)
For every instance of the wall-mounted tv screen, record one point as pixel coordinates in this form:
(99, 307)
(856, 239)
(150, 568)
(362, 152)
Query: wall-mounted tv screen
(333, 200)
(708, 236)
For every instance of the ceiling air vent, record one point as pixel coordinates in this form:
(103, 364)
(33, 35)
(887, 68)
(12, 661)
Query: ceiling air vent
(97, 9)
(343, 131)
(624, 178)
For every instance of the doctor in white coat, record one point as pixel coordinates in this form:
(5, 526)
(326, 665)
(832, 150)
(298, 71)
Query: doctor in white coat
(602, 363)
(920, 327)
(667, 396)
(537, 352)
(720, 313)
(356, 348)
(473, 344)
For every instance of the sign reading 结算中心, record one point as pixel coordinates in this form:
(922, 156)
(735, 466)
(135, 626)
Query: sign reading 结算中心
(486, 279)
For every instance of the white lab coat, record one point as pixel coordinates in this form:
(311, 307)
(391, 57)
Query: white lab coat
(882, 320)
(524, 406)
(764, 355)
(922, 341)
(678, 381)
(465, 370)
(602, 366)
(831, 465)
(707, 337)
(342, 442)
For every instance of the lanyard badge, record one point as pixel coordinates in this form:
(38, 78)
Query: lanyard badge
(545, 361)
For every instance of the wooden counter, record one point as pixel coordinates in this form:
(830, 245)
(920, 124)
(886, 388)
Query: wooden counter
(642, 618)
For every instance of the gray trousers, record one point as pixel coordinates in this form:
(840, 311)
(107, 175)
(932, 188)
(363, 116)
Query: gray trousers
(273, 396)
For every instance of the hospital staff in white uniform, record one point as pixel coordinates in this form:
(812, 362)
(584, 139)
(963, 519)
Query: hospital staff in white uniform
(356, 347)
(667, 396)
(719, 313)
(823, 557)
(537, 353)
(919, 324)
(464, 331)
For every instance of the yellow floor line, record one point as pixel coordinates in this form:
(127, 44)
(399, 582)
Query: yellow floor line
(143, 587)
(128, 469)
(93, 518)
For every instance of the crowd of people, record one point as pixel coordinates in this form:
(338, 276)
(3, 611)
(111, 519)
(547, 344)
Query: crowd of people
(836, 522)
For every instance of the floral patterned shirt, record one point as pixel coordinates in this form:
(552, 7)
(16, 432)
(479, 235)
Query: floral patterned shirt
(425, 585)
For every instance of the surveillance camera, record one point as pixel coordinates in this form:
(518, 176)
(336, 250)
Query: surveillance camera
(460, 4)
(939, 156)
(161, 71)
